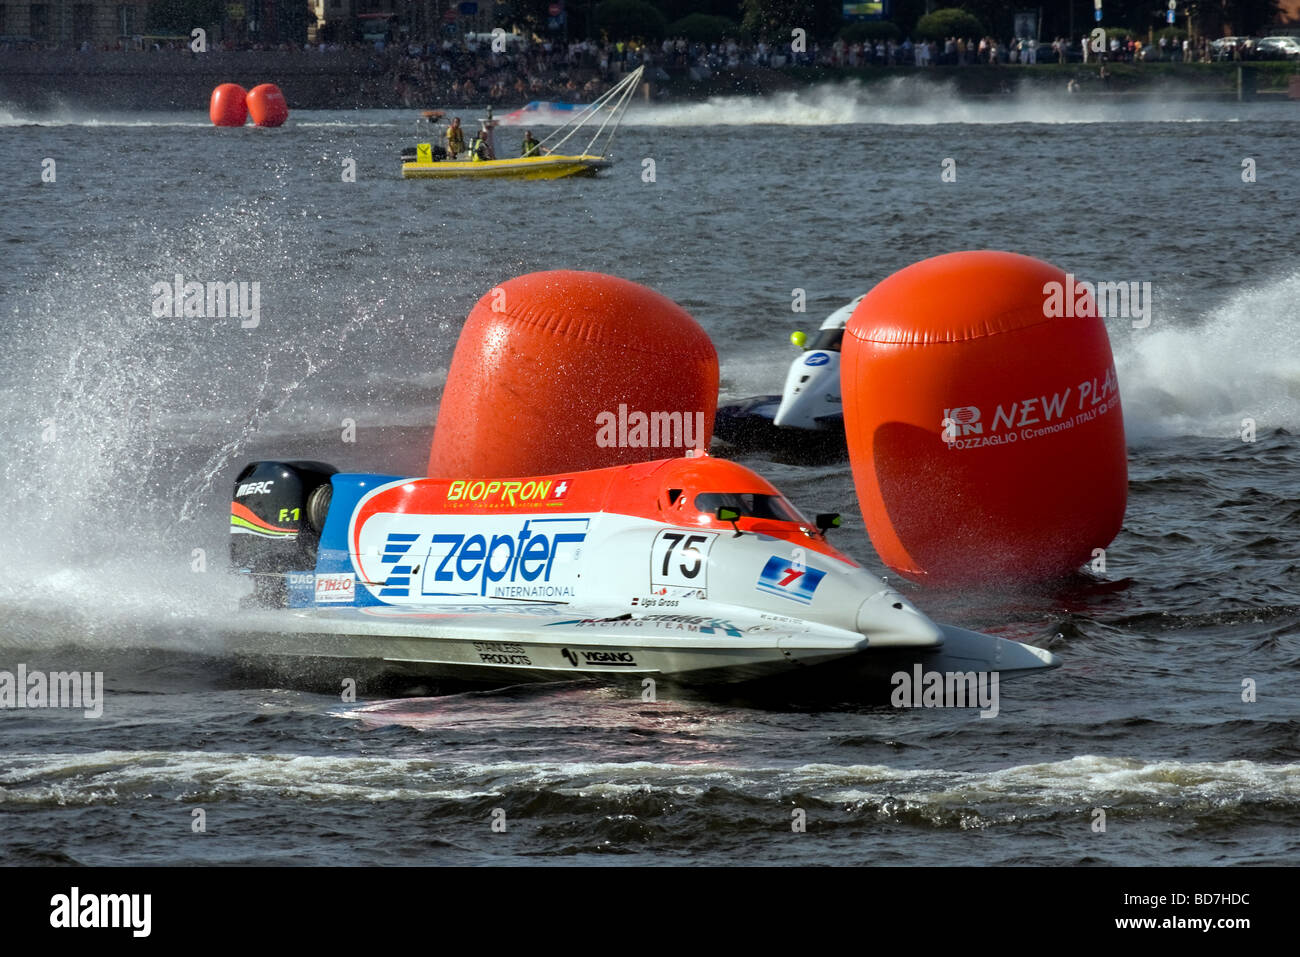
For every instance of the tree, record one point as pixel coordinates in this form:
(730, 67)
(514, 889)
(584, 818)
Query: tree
(870, 30)
(905, 13)
(675, 10)
(534, 16)
(630, 20)
(702, 28)
(998, 16)
(773, 20)
(1248, 17)
(179, 17)
(950, 22)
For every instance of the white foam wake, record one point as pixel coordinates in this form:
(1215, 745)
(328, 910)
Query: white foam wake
(1085, 780)
(918, 101)
(1206, 376)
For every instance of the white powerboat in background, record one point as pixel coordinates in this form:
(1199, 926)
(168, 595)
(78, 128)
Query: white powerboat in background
(808, 416)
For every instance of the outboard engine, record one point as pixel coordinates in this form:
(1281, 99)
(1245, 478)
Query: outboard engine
(277, 513)
(410, 154)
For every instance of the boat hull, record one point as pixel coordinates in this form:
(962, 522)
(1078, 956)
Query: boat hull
(504, 647)
(523, 167)
(749, 426)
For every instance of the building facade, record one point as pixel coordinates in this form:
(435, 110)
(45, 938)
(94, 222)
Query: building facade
(72, 23)
(402, 20)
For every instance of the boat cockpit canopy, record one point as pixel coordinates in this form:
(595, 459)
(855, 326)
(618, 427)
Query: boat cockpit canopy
(827, 340)
(774, 508)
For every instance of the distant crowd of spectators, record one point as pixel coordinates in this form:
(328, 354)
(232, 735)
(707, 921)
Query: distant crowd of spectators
(469, 70)
(957, 51)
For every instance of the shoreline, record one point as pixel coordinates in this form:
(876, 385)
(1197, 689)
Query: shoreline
(173, 80)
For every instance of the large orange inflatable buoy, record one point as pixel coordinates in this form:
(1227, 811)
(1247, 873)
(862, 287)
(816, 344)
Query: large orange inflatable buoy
(228, 106)
(267, 105)
(568, 370)
(983, 419)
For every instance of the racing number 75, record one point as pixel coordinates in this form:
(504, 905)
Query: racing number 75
(689, 548)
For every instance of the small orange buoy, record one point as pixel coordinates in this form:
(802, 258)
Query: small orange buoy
(569, 370)
(267, 106)
(984, 428)
(228, 106)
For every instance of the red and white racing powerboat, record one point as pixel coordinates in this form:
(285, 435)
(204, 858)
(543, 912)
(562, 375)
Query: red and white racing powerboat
(694, 569)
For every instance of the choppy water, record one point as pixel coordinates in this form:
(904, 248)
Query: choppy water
(122, 433)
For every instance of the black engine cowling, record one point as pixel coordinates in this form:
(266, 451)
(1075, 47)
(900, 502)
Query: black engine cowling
(411, 155)
(277, 513)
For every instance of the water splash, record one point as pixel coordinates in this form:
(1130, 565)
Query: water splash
(122, 428)
(1206, 376)
(916, 101)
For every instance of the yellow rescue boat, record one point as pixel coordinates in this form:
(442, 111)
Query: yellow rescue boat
(551, 166)
(431, 161)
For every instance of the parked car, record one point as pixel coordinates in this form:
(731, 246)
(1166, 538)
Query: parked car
(1277, 48)
(1222, 48)
(19, 43)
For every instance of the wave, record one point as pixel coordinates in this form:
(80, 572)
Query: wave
(74, 116)
(1207, 376)
(912, 101)
(1064, 786)
(898, 101)
(67, 115)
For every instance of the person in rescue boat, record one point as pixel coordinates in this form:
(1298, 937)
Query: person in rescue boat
(455, 138)
(479, 149)
(531, 146)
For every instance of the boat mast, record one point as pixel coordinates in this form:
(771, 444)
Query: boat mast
(610, 105)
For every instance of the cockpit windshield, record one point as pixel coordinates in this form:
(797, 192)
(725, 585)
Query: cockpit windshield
(827, 340)
(750, 504)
